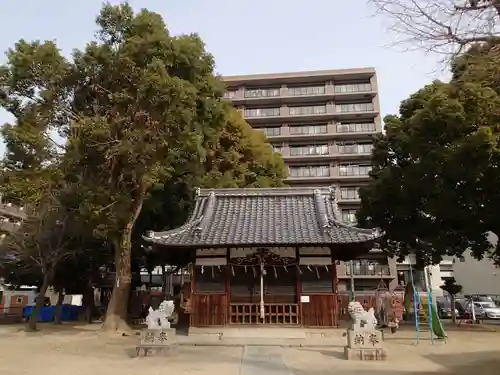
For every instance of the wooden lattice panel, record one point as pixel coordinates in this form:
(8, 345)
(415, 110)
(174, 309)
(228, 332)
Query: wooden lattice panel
(274, 314)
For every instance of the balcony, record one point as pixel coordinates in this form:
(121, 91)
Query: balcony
(354, 172)
(323, 111)
(353, 88)
(368, 270)
(309, 153)
(354, 91)
(316, 171)
(307, 110)
(261, 93)
(9, 226)
(261, 112)
(299, 92)
(354, 151)
(356, 128)
(306, 91)
(349, 195)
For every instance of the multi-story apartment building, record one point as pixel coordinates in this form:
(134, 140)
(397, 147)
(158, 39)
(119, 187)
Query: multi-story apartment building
(11, 217)
(323, 123)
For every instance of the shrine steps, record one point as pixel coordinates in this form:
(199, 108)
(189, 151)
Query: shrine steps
(253, 332)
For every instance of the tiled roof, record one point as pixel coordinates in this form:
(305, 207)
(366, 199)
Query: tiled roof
(277, 216)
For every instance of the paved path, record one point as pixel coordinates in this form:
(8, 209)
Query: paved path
(262, 360)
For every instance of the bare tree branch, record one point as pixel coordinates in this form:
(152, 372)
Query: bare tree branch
(45, 239)
(441, 26)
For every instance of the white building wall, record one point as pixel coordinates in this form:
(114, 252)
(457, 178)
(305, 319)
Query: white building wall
(477, 276)
(434, 280)
(433, 276)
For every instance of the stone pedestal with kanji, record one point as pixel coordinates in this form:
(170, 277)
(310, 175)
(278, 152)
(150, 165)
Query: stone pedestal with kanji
(364, 345)
(156, 341)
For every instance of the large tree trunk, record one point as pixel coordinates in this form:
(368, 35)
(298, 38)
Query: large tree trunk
(60, 300)
(31, 324)
(116, 314)
(88, 302)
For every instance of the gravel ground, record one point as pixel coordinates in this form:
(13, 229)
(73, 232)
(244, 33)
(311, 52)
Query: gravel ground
(83, 349)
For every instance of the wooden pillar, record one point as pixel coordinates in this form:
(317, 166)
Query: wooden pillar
(228, 294)
(336, 304)
(194, 302)
(299, 284)
(336, 308)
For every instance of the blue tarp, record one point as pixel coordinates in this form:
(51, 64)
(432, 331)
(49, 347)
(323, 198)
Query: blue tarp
(47, 313)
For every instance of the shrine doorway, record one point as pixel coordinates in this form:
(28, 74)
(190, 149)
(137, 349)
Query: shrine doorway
(263, 291)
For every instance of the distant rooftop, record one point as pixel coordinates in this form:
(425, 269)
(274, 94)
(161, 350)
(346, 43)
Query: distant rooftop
(302, 76)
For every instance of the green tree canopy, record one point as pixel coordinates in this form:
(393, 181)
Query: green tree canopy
(240, 156)
(436, 169)
(141, 112)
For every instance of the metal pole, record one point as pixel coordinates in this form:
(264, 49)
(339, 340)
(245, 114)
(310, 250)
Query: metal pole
(416, 304)
(430, 301)
(473, 310)
(351, 271)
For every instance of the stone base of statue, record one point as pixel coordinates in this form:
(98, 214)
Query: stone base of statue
(364, 345)
(157, 341)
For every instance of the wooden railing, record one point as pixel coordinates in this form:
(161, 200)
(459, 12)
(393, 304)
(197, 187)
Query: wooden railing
(274, 313)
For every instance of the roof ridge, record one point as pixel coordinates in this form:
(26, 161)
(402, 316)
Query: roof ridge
(320, 210)
(265, 217)
(280, 191)
(207, 213)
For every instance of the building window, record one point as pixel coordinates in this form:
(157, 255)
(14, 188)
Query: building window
(354, 107)
(309, 110)
(368, 267)
(349, 216)
(230, 94)
(310, 171)
(277, 149)
(354, 170)
(262, 93)
(262, 112)
(308, 129)
(349, 193)
(363, 148)
(303, 91)
(355, 127)
(353, 87)
(271, 131)
(309, 150)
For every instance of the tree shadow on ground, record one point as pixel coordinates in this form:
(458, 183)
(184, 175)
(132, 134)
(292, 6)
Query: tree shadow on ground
(453, 364)
(468, 363)
(65, 328)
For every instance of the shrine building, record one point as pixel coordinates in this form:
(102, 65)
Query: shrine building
(264, 256)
